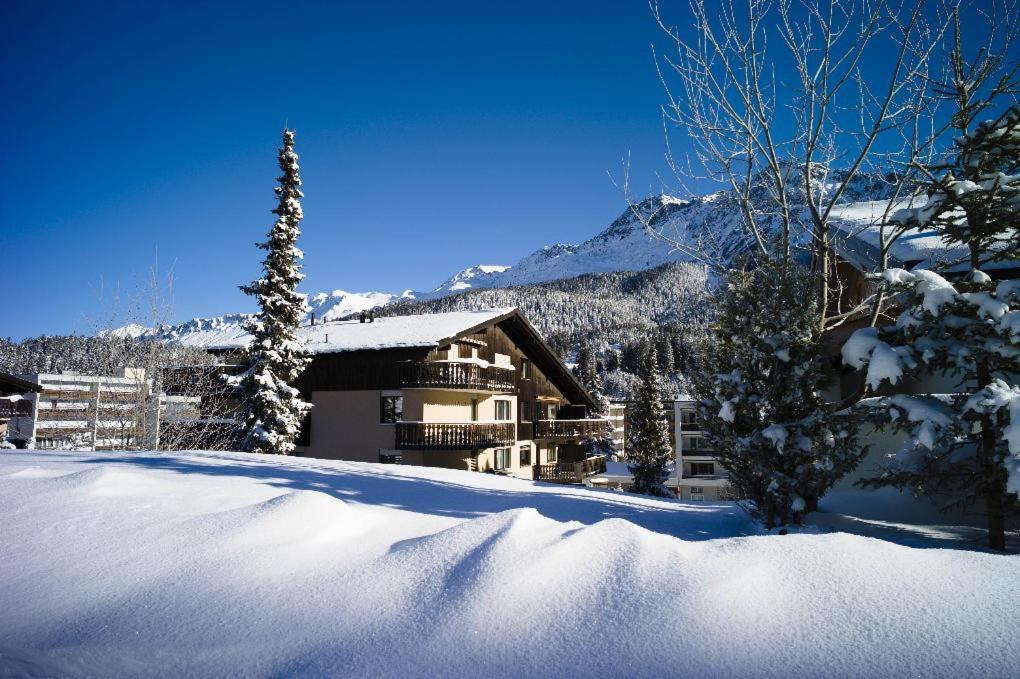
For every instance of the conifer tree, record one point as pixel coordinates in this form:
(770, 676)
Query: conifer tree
(759, 381)
(599, 444)
(275, 356)
(649, 450)
(961, 445)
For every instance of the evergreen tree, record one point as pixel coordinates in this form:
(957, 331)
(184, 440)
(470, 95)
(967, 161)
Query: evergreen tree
(649, 451)
(961, 445)
(599, 444)
(276, 357)
(759, 381)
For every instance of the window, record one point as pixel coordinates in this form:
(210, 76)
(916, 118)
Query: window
(697, 493)
(465, 351)
(689, 418)
(525, 411)
(502, 410)
(702, 469)
(695, 443)
(551, 455)
(391, 409)
(525, 369)
(474, 410)
(525, 456)
(501, 458)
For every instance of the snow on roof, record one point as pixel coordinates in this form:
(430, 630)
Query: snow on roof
(860, 224)
(388, 332)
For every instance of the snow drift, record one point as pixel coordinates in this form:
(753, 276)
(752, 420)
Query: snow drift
(203, 564)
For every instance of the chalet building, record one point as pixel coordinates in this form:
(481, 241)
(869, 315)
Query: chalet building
(17, 401)
(473, 390)
(855, 251)
(95, 412)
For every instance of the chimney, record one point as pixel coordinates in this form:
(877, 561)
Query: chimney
(327, 338)
(361, 317)
(313, 318)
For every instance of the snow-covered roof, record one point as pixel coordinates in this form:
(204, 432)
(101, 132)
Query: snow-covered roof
(859, 241)
(388, 332)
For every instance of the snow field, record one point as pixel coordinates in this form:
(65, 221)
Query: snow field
(215, 564)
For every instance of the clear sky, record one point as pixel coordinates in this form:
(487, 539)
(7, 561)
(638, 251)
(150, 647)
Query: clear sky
(432, 136)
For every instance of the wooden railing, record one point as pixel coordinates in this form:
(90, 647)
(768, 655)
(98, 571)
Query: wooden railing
(454, 435)
(452, 375)
(10, 409)
(569, 429)
(570, 472)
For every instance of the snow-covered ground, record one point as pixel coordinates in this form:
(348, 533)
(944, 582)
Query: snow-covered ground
(226, 564)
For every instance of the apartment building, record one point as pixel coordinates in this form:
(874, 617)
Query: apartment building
(473, 390)
(618, 420)
(700, 476)
(91, 412)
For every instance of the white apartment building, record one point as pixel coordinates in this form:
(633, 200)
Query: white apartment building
(90, 412)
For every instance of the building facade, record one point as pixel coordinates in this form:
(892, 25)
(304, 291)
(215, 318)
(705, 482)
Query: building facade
(90, 412)
(473, 390)
(700, 476)
(17, 401)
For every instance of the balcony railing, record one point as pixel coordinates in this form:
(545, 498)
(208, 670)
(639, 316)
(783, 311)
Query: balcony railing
(569, 429)
(454, 435)
(9, 409)
(570, 472)
(451, 375)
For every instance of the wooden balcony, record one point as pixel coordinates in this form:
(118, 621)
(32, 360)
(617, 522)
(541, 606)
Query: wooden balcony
(444, 375)
(570, 472)
(569, 429)
(454, 435)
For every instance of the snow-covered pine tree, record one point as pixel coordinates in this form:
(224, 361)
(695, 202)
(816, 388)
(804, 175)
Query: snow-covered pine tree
(599, 444)
(758, 381)
(649, 450)
(275, 356)
(963, 447)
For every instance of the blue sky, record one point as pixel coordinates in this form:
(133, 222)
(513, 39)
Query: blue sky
(432, 136)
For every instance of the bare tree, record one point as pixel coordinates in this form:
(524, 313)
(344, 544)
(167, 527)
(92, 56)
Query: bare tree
(179, 398)
(784, 108)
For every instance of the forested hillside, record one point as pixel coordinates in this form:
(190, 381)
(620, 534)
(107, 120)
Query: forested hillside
(616, 313)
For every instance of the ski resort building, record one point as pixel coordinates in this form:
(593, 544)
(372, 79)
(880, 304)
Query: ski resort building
(473, 390)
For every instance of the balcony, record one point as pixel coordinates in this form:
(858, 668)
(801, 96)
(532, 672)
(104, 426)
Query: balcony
(20, 408)
(454, 375)
(570, 472)
(569, 429)
(454, 435)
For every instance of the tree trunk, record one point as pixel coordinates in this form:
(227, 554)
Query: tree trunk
(995, 486)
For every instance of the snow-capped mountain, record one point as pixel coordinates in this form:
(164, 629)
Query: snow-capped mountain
(480, 276)
(328, 306)
(324, 306)
(709, 223)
